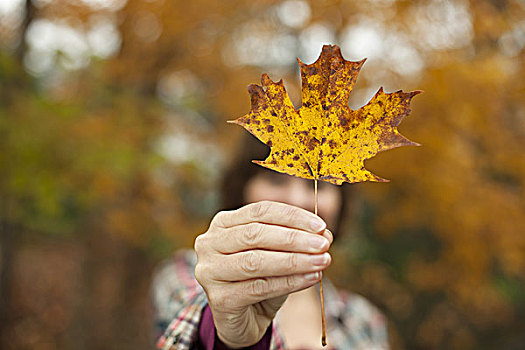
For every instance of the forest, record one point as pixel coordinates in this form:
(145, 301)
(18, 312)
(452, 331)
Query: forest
(114, 138)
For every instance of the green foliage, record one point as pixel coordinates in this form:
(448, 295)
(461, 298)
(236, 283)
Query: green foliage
(83, 154)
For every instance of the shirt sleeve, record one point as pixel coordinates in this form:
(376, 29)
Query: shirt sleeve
(178, 302)
(366, 326)
(208, 339)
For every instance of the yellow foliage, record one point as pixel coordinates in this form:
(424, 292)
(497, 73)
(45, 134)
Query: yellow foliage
(325, 139)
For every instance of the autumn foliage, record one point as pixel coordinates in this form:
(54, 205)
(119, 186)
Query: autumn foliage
(324, 139)
(111, 155)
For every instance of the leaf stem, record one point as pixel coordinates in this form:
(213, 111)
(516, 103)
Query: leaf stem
(323, 337)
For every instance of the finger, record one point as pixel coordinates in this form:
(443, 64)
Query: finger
(262, 263)
(271, 213)
(328, 235)
(271, 237)
(255, 290)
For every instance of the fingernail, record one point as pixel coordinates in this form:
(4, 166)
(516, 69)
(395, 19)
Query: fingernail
(312, 276)
(319, 260)
(317, 225)
(318, 242)
(329, 235)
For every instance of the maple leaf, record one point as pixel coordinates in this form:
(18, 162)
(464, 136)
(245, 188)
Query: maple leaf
(325, 139)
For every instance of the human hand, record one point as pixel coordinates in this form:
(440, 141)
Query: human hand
(250, 259)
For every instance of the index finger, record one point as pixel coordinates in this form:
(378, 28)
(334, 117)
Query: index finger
(269, 212)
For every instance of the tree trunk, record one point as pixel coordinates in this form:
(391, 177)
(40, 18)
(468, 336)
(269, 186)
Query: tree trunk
(9, 236)
(29, 15)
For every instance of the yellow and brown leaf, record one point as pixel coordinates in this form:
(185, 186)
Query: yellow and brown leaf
(325, 139)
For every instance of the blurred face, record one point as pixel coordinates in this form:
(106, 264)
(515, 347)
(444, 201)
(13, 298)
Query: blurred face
(274, 186)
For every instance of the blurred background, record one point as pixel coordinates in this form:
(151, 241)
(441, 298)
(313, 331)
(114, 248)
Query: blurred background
(113, 138)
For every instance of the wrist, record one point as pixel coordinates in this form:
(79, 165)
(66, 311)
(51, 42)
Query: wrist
(235, 341)
(239, 331)
(262, 344)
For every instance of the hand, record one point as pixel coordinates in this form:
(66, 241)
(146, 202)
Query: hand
(250, 259)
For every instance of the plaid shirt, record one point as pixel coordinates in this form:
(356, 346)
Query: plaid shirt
(179, 300)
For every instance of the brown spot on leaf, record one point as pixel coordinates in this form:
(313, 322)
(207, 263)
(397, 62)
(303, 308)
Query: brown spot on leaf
(343, 121)
(312, 144)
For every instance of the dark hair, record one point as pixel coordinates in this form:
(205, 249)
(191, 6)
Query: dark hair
(242, 169)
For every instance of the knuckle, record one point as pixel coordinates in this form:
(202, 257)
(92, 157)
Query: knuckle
(251, 262)
(219, 219)
(217, 300)
(259, 209)
(251, 234)
(291, 238)
(259, 286)
(290, 213)
(197, 245)
(290, 282)
(202, 272)
(198, 273)
(292, 261)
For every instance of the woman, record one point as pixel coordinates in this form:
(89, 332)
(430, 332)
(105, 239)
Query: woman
(252, 281)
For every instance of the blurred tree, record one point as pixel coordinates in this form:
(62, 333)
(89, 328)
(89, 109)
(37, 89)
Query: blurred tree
(113, 138)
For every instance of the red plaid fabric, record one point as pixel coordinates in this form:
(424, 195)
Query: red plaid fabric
(352, 322)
